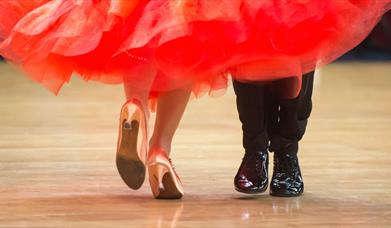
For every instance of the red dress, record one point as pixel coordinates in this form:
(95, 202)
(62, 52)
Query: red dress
(161, 45)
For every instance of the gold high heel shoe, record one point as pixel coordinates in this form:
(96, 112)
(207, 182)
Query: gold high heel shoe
(164, 181)
(131, 147)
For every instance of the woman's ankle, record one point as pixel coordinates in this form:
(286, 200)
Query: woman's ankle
(166, 146)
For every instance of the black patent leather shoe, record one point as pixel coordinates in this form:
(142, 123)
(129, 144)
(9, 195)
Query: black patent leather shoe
(252, 176)
(286, 180)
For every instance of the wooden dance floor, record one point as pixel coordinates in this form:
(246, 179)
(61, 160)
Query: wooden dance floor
(57, 156)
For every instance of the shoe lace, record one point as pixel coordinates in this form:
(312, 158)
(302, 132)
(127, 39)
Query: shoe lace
(251, 158)
(285, 164)
(172, 165)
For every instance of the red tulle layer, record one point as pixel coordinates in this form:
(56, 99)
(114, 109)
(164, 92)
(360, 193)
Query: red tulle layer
(161, 45)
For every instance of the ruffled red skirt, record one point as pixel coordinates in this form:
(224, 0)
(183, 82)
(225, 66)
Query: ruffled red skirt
(161, 45)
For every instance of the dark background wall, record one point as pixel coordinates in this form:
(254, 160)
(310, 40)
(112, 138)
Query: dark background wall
(378, 44)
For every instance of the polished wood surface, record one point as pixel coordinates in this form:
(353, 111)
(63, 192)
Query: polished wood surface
(57, 156)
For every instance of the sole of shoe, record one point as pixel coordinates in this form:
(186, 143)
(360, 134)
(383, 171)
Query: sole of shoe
(130, 167)
(286, 194)
(252, 192)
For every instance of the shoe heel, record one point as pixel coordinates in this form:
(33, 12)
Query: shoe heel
(131, 148)
(164, 182)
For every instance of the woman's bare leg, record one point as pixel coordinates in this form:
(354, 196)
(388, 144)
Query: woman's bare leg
(163, 179)
(170, 108)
